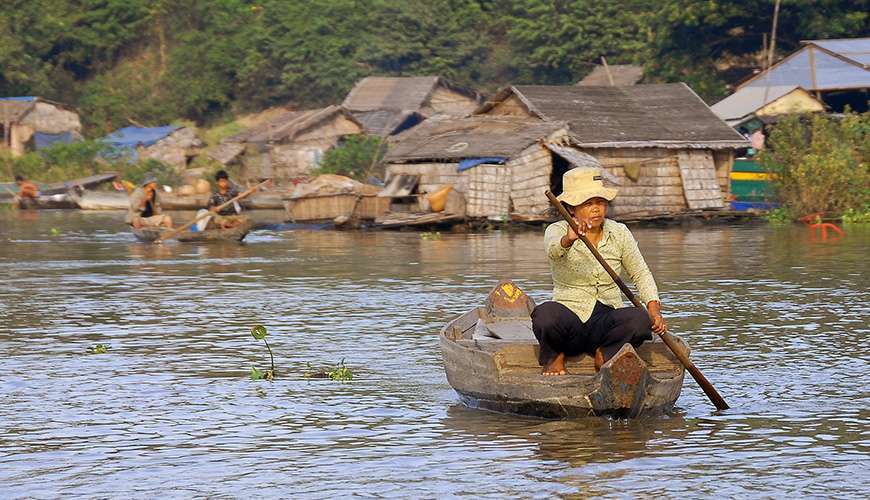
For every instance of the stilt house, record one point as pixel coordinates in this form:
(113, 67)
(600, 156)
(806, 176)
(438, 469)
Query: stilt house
(500, 165)
(289, 146)
(670, 152)
(34, 123)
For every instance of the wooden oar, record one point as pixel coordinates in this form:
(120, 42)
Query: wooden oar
(699, 377)
(214, 210)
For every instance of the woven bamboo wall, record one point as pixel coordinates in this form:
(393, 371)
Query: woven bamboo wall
(530, 177)
(489, 191)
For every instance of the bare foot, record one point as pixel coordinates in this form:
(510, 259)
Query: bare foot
(555, 367)
(599, 359)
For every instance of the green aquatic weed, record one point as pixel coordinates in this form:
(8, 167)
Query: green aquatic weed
(259, 332)
(434, 235)
(54, 231)
(341, 373)
(779, 216)
(98, 349)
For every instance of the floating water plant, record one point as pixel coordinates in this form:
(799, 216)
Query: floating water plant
(98, 349)
(259, 332)
(340, 373)
(434, 235)
(54, 231)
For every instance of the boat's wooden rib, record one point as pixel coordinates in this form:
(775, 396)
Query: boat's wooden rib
(237, 233)
(492, 365)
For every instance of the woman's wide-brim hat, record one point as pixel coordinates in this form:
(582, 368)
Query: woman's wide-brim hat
(149, 178)
(584, 183)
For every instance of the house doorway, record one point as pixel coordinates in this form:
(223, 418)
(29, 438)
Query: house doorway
(560, 166)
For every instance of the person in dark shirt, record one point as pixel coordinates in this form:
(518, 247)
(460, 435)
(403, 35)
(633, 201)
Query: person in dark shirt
(227, 216)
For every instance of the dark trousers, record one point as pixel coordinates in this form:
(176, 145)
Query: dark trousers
(558, 329)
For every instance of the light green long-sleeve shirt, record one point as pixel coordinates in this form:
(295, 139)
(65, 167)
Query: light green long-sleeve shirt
(579, 280)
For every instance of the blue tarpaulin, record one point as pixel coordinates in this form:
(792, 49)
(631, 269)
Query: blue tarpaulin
(28, 98)
(44, 140)
(126, 140)
(473, 162)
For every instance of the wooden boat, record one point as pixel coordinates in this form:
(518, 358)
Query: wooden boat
(103, 200)
(45, 202)
(237, 233)
(491, 357)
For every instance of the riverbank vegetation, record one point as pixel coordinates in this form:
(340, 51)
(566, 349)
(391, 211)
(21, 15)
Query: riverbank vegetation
(62, 162)
(154, 61)
(821, 165)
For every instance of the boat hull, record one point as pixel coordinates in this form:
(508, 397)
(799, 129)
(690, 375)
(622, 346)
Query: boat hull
(502, 374)
(237, 233)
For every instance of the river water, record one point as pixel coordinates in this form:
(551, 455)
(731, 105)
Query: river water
(778, 322)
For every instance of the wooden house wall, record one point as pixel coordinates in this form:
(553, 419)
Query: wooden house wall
(512, 106)
(444, 100)
(659, 188)
(724, 162)
(530, 177)
(433, 176)
(299, 158)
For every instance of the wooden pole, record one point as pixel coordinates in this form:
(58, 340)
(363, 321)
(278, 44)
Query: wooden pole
(218, 208)
(772, 49)
(699, 377)
(607, 70)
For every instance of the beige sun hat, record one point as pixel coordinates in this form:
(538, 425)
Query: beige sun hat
(583, 183)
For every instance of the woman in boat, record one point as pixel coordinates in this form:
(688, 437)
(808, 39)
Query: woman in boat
(145, 210)
(586, 314)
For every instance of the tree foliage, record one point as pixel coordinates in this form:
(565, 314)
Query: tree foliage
(821, 163)
(151, 61)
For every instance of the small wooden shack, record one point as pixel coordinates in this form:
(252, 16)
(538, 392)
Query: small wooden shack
(34, 123)
(669, 150)
(291, 145)
(388, 105)
(500, 165)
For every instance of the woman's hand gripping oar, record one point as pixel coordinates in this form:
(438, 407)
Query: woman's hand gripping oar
(216, 209)
(699, 377)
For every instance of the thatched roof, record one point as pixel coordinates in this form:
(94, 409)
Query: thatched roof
(665, 115)
(472, 137)
(623, 74)
(397, 93)
(14, 109)
(286, 126)
(386, 122)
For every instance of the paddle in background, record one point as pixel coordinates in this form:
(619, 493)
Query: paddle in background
(699, 377)
(174, 232)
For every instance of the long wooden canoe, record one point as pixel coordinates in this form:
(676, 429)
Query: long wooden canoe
(491, 358)
(237, 233)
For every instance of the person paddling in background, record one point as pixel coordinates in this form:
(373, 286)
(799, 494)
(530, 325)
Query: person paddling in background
(226, 217)
(145, 210)
(586, 313)
(27, 191)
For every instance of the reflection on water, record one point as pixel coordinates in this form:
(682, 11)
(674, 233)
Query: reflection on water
(777, 322)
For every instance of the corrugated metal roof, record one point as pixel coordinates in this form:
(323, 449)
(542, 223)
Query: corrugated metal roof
(748, 100)
(857, 49)
(662, 115)
(838, 65)
(471, 137)
(385, 122)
